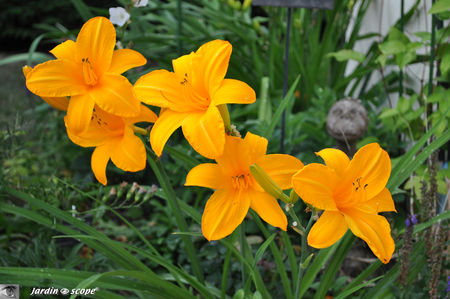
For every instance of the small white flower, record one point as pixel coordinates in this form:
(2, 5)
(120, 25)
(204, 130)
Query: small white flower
(140, 3)
(118, 15)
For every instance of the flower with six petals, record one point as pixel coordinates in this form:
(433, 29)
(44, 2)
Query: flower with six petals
(351, 193)
(88, 71)
(190, 96)
(113, 138)
(236, 190)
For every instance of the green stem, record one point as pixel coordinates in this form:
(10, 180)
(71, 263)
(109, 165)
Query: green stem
(433, 41)
(164, 181)
(242, 245)
(400, 92)
(303, 256)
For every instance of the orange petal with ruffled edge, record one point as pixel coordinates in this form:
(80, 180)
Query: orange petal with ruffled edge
(315, 184)
(223, 213)
(207, 175)
(99, 161)
(234, 92)
(205, 132)
(79, 113)
(257, 145)
(125, 59)
(211, 65)
(65, 50)
(114, 94)
(372, 164)
(96, 42)
(330, 227)
(161, 88)
(60, 103)
(168, 121)
(280, 168)
(374, 230)
(129, 153)
(56, 78)
(236, 156)
(334, 158)
(382, 202)
(267, 208)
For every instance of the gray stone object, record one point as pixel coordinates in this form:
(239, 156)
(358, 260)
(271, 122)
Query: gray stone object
(347, 121)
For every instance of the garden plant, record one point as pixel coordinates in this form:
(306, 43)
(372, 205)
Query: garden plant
(225, 181)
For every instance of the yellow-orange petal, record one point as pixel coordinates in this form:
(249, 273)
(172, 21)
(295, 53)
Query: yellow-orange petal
(224, 211)
(79, 113)
(267, 208)
(257, 145)
(125, 59)
(315, 183)
(334, 158)
(280, 168)
(205, 132)
(330, 227)
(93, 136)
(236, 156)
(207, 175)
(26, 69)
(56, 78)
(60, 103)
(372, 164)
(211, 65)
(374, 230)
(168, 121)
(115, 95)
(182, 66)
(382, 202)
(99, 160)
(234, 92)
(129, 153)
(96, 42)
(146, 115)
(65, 50)
(160, 88)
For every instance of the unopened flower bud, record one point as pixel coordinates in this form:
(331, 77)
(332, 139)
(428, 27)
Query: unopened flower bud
(267, 183)
(246, 4)
(293, 197)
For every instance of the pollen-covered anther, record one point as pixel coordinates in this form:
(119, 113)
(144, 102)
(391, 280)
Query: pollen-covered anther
(89, 75)
(240, 181)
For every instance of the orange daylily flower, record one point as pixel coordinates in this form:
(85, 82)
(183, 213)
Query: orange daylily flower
(60, 103)
(88, 71)
(351, 193)
(190, 97)
(113, 138)
(236, 189)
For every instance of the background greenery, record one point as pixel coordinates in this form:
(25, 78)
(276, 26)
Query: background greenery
(60, 228)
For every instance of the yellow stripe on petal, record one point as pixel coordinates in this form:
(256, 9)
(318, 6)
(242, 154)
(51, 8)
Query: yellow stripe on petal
(207, 175)
(334, 158)
(65, 50)
(96, 42)
(330, 227)
(79, 113)
(267, 208)
(99, 161)
(382, 202)
(56, 78)
(205, 132)
(129, 153)
(166, 124)
(280, 168)
(211, 65)
(224, 211)
(115, 95)
(374, 230)
(315, 184)
(160, 88)
(125, 59)
(372, 167)
(234, 92)
(257, 145)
